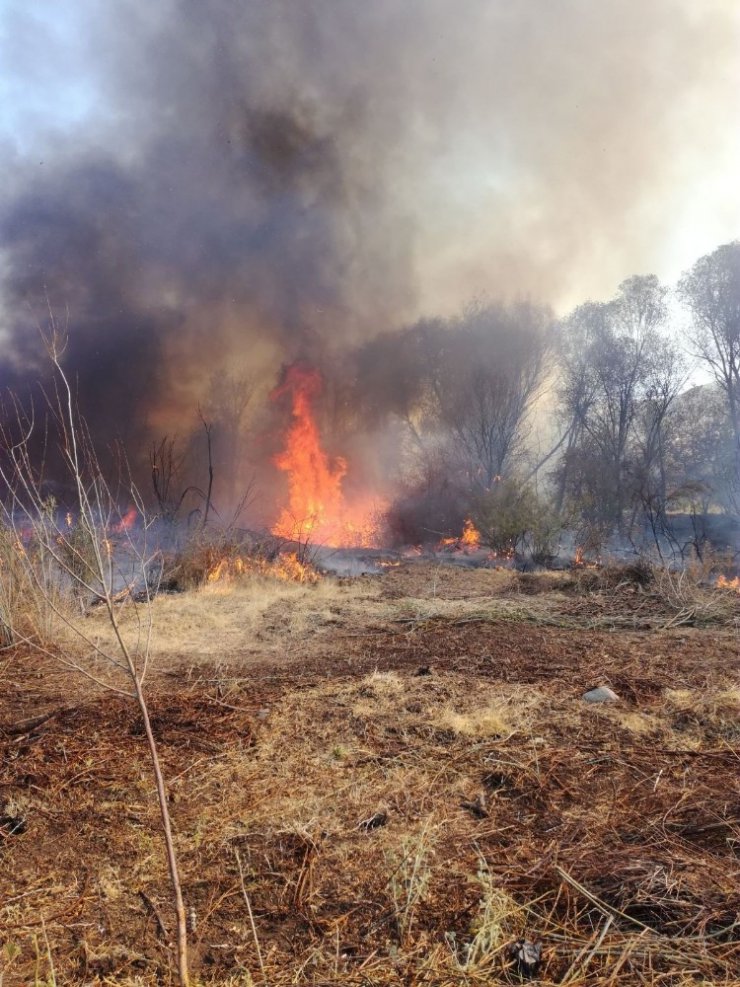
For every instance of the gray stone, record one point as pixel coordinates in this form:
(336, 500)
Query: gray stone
(603, 694)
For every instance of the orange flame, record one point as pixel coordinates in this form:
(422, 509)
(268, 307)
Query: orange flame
(470, 537)
(127, 521)
(317, 509)
(467, 541)
(724, 583)
(287, 567)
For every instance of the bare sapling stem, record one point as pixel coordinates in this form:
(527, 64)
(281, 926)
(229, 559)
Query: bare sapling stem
(60, 563)
(172, 866)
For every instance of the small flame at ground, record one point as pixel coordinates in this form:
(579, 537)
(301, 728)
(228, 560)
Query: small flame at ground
(287, 566)
(580, 561)
(317, 510)
(468, 540)
(724, 583)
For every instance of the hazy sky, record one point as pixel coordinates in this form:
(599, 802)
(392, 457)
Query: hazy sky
(542, 147)
(215, 186)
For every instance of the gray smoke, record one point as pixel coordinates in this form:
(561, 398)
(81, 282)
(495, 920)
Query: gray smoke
(253, 182)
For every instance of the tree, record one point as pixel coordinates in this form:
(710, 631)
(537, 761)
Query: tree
(664, 378)
(461, 392)
(699, 451)
(576, 339)
(711, 290)
(612, 355)
(485, 373)
(226, 406)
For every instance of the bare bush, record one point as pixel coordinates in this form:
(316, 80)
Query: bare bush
(431, 508)
(56, 564)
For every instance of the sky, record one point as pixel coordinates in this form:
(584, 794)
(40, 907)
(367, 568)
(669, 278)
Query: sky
(584, 141)
(444, 149)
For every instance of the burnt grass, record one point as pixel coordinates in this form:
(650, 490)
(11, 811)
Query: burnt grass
(381, 830)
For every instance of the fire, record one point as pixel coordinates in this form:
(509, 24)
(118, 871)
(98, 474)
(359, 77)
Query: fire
(287, 567)
(127, 521)
(225, 569)
(581, 562)
(468, 540)
(499, 558)
(470, 537)
(733, 584)
(317, 509)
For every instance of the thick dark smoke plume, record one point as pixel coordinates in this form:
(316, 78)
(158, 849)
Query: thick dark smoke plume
(258, 181)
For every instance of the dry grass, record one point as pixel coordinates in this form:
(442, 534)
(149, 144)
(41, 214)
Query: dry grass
(416, 612)
(251, 615)
(503, 805)
(614, 597)
(491, 721)
(35, 598)
(711, 712)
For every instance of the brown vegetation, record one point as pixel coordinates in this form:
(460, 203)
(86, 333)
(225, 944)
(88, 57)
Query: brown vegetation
(385, 800)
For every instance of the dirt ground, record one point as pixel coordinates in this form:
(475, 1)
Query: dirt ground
(397, 777)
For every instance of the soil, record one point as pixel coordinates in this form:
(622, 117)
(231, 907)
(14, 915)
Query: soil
(398, 802)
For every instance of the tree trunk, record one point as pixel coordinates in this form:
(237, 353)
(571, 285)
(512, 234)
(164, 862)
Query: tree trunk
(182, 928)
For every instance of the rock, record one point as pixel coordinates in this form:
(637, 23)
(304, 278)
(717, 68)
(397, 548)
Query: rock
(603, 694)
(526, 957)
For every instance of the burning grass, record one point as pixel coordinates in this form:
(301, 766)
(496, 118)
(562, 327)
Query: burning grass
(397, 802)
(219, 558)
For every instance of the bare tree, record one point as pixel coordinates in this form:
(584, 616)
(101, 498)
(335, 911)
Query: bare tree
(699, 451)
(165, 464)
(92, 554)
(485, 375)
(229, 398)
(711, 290)
(609, 351)
(666, 375)
(577, 335)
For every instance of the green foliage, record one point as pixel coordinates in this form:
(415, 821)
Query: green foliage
(511, 514)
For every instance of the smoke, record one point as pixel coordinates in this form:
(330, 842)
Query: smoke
(250, 183)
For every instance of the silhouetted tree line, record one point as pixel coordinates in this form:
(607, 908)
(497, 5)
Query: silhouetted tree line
(528, 424)
(591, 417)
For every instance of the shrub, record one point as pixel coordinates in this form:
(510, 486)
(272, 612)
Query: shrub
(35, 593)
(510, 515)
(214, 556)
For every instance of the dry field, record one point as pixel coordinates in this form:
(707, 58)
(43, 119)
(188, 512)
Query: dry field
(388, 780)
